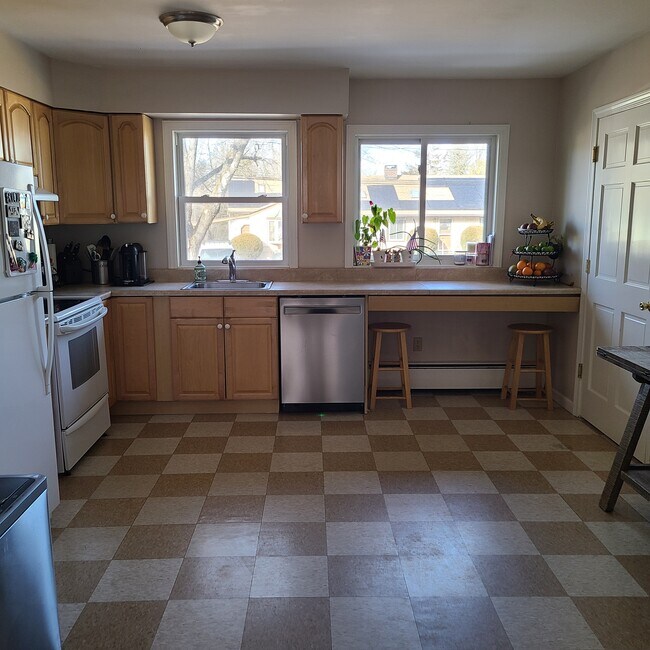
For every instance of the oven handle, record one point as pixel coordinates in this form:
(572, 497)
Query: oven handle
(75, 327)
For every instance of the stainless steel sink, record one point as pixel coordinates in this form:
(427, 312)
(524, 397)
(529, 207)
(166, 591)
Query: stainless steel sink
(227, 285)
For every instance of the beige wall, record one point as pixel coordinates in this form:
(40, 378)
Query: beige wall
(24, 70)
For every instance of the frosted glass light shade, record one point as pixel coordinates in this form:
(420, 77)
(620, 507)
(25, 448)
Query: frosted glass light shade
(191, 27)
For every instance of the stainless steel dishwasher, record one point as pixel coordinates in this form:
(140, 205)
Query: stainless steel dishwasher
(322, 353)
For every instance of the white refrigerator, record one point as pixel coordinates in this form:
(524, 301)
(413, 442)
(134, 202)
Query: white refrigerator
(27, 444)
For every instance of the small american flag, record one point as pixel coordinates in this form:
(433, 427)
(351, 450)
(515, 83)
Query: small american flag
(382, 236)
(412, 243)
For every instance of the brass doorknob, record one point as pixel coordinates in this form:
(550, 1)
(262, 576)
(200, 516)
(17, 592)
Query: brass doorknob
(644, 305)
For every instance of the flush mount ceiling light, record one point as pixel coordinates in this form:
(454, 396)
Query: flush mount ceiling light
(191, 27)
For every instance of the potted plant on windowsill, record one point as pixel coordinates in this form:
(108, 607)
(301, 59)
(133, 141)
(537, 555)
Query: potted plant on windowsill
(367, 231)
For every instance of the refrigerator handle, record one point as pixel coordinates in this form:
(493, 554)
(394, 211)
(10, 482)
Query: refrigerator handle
(49, 297)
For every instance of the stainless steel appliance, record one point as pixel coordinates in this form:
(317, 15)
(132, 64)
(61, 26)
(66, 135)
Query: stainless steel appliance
(28, 611)
(322, 353)
(132, 266)
(81, 413)
(26, 347)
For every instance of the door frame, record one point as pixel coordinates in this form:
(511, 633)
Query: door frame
(618, 106)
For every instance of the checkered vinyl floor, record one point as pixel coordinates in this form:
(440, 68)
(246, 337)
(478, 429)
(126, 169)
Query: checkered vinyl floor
(457, 524)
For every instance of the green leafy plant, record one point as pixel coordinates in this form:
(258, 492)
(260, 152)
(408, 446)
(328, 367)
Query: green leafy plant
(368, 228)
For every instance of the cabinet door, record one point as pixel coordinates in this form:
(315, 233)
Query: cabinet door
(251, 358)
(134, 350)
(83, 167)
(322, 168)
(20, 129)
(197, 358)
(44, 148)
(108, 344)
(133, 168)
(4, 145)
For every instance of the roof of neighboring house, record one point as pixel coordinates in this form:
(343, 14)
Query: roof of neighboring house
(467, 193)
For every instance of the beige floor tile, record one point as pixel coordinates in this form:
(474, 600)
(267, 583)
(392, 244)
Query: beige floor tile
(298, 444)
(164, 430)
(88, 543)
(442, 443)
(575, 482)
(109, 447)
(455, 413)
(76, 581)
(517, 575)
(192, 464)
(456, 401)
(345, 443)
(489, 443)
(366, 575)
(292, 539)
(427, 538)
(426, 413)
(250, 444)
(297, 462)
(157, 419)
(290, 508)
(170, 510)
(639, 503)
(290, 577)
(433, 428)
(242, 483)
(416, 507)
(155, 542)
(232, 509)
(443, 576)
(360, 538)
(94, 465)
(537, 442)
(540, 507)
(215, 540)
(299, 428)
(152, 446)
(496, 538)
(503, 460)
(597, 460)
(388, 428)
(478, 507)
(68, 615)
(242, 463)
(567, 427)
(623, 538)
(504, 413)
(120, 487)
(352, 483)
(256, 417)
(208, 429)
(65, 512)
(214, 577)
(464, 483)
(451, 461)
(397, 461)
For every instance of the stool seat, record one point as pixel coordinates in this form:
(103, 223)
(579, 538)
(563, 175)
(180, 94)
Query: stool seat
(542, 363)
(390, 328)
(402, 366)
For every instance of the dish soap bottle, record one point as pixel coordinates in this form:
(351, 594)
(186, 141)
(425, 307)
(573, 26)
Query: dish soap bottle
(200, 272)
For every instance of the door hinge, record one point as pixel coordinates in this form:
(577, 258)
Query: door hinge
(594, 154)
(588, 266)
(579, 371)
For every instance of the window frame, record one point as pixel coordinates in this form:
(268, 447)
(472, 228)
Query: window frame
(175, 200)
(496, 172)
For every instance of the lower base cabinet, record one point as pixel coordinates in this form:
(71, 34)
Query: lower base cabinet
(108, 346)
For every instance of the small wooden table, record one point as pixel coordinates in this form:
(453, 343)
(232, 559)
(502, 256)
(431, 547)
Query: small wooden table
(637, 361)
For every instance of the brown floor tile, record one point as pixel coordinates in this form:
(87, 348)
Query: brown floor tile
(55, 532)
(400, 461)
(563, 538)
(140, 465)
(366, 575)
(76, 581)
(78, 487)
(522, 427)
(433, 427)
(155, 542)
(201, 445)
(394, 443)
(287, 444)
(343, 428)
(164, 430)
(107, 512)
(451, 461)
(299, 417)
(626, 489)
(520, 483)
(355, 507)
(116, 625)
(232, 508)
(214, 577)
(586, 507)
(292, 539)
(542, 413)
(245, 462)
(555, 460)
(638, 566)
(295, 483)
(478, 507)
(110, 447)
(424, 398)
(466, 413)
(407, 483)
(129, 419)
(214, 417)
(253, 429)
(587, 443)
(281, 623)
(517, 575)
(388, 414)
(490, 443)
(459, 623)
(356, 461)
(182, 485)
(618, 622)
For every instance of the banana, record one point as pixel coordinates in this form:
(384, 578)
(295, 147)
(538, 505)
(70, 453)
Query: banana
(541, 223)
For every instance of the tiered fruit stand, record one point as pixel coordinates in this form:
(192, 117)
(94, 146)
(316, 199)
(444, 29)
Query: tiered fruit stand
(528, 234)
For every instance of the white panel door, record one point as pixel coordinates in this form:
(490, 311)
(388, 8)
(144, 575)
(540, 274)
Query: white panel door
(620, 269)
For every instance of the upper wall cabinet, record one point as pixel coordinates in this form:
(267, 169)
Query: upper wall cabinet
(20, 129)
(322, 168)
(44, 152)
(133, 168)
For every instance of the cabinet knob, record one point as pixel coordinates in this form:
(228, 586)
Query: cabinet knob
(143, 215)
(113, 217)
(219, 326)
(227, 326)
(305, 216)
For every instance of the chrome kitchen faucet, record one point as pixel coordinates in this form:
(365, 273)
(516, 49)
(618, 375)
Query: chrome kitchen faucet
(232, 266)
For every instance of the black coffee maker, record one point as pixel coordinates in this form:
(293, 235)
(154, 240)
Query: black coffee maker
(133, 266)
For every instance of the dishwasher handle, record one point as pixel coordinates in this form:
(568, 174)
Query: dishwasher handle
(333, 309)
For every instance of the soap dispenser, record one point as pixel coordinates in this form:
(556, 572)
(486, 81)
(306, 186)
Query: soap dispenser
(200, 272)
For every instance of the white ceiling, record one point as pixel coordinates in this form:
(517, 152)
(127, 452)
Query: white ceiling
(373, 38)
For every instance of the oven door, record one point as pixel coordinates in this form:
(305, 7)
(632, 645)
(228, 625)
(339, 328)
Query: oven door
(81, 374)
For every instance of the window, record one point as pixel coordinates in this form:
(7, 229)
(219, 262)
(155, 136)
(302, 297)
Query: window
(234, 185)
(447, 183)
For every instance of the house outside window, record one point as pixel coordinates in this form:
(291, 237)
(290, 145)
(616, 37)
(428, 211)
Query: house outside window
(445, 182)
(234, 187)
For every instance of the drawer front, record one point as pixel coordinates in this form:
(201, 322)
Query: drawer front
(253, 307)
(208, 307)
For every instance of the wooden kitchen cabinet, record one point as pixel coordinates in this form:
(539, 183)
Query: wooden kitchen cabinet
(108, 346)
(83, 167)
(133, 168)
(20, 130)
(322, 168)
(44, 152)
(134, 348)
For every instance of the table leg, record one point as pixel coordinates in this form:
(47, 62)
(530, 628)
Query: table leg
(626, 448)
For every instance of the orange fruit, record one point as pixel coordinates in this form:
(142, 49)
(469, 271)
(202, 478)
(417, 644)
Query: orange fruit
(540, 266)
(518, 272)
(521, 264)
(537, 272)
(527, 271)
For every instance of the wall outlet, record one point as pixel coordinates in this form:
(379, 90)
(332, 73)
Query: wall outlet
(417, 344)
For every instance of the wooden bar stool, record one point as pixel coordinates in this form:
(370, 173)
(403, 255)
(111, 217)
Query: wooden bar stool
(402, 366)
(542, 364)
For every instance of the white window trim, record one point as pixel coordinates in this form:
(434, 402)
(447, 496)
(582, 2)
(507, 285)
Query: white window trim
(498, 169)
(290, 220)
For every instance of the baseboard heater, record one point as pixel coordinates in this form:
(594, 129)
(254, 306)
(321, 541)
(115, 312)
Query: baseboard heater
(439, 376)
